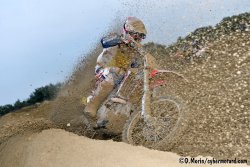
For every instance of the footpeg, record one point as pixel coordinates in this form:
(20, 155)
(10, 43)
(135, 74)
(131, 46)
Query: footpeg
(118, 100)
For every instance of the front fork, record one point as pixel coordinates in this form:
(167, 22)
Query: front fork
(146, 99)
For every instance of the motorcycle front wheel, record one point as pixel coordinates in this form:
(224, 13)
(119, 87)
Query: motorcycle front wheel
(168, 118)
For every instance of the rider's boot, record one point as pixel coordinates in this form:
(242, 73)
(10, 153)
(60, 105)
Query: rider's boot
(101, 124)
(101, 93)
(89, 120)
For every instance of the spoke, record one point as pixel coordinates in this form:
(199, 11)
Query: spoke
(167, 71)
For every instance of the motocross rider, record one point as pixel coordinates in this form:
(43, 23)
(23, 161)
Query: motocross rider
(113, 63)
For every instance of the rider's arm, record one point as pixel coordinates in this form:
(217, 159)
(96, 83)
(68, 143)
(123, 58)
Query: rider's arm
(151, 61)
(106, 56)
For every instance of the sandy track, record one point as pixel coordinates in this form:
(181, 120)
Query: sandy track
(57, 148)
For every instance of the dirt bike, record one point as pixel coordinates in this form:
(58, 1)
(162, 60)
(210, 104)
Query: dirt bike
(143, 113)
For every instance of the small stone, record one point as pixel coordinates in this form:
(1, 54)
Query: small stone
(214, 66)
(236, 54)
(68, 124)
(238, 72)
(242, 106)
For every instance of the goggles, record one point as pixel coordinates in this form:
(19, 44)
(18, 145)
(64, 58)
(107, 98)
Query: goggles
(135, 35)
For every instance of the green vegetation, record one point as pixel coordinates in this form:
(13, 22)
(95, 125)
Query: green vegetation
(41, 94)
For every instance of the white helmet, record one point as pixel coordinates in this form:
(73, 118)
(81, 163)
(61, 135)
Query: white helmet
(135, 28)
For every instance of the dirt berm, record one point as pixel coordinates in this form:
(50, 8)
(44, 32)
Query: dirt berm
(57, 148)
(216, 123)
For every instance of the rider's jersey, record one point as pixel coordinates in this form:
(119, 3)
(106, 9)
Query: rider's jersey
(117, 56)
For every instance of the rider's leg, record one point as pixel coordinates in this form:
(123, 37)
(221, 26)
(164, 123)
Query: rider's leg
(101, 93)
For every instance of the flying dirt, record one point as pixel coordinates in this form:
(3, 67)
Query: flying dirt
(215, 121)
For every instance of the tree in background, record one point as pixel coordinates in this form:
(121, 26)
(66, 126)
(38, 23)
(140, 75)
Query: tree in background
(6, 109)
(41, 94)
(44, 93)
